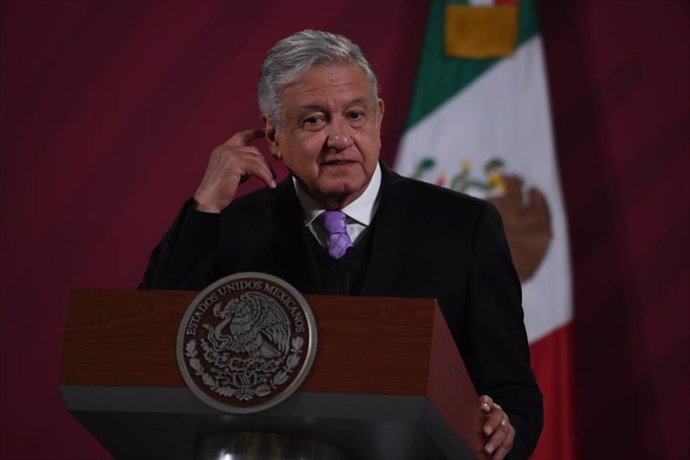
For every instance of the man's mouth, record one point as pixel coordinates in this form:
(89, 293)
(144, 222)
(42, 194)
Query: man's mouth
(337, 163)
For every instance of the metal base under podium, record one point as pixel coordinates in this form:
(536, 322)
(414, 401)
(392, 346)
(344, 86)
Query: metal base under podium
(170, 423)
(265, 446)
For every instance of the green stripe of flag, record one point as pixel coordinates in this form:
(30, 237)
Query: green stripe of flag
(440, 77)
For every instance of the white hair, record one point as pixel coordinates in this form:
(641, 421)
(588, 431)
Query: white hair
(294, 55)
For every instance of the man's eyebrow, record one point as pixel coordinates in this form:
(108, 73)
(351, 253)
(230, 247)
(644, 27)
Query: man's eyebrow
(319, 107)
(358, 101)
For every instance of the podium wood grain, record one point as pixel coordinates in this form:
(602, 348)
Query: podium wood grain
(116, 337)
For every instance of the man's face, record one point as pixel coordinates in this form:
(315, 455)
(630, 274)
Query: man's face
(329, 137)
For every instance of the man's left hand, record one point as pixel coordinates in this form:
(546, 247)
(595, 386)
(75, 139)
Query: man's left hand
(498, 432)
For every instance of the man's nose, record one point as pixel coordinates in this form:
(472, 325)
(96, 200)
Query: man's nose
(338, 137)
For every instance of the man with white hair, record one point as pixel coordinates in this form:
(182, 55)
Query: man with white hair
(343, 223)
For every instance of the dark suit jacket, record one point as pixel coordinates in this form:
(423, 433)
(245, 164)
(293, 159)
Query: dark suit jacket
(428, 242)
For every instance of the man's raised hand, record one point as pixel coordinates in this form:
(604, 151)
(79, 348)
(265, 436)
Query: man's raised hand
(230, 164)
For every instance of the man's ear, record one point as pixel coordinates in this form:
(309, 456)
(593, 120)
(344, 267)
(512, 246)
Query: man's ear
(271, 137)
(380, 108)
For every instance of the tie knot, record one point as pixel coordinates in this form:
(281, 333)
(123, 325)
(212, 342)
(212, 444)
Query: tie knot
(334, 222)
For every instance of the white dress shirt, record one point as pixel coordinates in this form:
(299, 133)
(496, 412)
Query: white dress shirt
(359, 213)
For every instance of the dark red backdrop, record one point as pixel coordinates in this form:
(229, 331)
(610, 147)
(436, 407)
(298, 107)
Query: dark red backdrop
(109, 109)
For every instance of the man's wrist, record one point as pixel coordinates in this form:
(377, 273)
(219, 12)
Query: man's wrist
(206, 208)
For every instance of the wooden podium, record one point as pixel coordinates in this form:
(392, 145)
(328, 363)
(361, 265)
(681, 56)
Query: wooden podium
(387, 381)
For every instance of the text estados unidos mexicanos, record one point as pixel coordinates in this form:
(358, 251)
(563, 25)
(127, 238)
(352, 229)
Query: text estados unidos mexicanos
(253, 285)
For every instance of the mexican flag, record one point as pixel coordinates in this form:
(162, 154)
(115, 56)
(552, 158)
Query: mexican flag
(480, 123)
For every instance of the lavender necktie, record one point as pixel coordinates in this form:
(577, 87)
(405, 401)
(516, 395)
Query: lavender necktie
(338, 239)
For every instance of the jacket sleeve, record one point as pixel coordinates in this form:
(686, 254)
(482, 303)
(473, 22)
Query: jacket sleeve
(495, 340)
(184, 257)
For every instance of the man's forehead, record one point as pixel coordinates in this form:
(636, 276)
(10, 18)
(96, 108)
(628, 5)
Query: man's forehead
(357, 101)
(344, 84)
(325, 77)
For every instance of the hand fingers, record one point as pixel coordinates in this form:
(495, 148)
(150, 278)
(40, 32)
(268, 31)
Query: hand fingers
(228, 166)
(499, 433)
(257, 165)
(243, 160)
(273, 171)
(238, 143)
(244, 137)
(493, 419)
(485, 403)
(500, 453)
(496, 439)
(507, 444)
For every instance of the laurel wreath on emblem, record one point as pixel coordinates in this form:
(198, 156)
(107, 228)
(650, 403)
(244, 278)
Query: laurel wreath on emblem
(242, 378)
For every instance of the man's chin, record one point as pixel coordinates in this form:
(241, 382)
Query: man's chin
(339, 196)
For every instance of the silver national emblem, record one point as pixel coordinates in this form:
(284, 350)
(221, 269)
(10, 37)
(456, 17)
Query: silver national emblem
(246, 342)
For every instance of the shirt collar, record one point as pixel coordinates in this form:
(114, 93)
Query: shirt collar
(362, 209)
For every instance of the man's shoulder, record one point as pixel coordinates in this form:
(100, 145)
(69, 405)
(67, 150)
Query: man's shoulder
(424, 195)
(263, 200)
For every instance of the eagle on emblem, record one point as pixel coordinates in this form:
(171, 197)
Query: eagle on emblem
(253, 324)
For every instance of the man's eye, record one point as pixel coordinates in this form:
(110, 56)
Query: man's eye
(355, 116)
(313, 122)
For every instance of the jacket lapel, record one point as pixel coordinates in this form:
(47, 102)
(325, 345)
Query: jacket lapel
(289, 249)
(392, 238)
